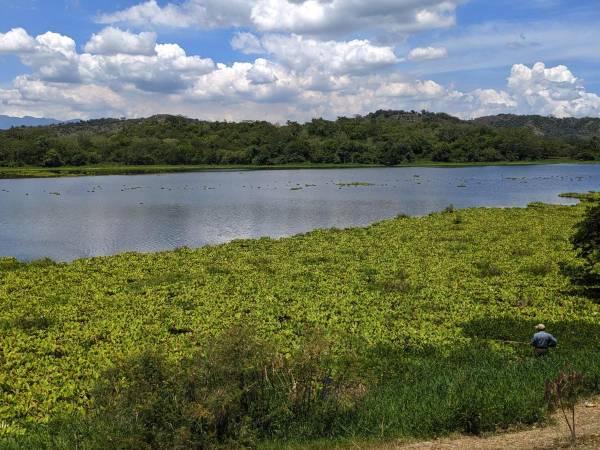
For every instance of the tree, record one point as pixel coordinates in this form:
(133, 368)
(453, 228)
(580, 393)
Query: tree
(563, 393)
(587, 237)
(52, 159)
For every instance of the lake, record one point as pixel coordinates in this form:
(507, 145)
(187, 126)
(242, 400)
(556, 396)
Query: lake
(70, 218)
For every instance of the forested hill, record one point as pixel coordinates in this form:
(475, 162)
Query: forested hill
(384, 137)
(567, 128)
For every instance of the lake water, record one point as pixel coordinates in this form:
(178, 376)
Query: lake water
(69, 218)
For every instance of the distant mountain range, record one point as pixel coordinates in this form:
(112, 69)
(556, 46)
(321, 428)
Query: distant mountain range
(7, 122)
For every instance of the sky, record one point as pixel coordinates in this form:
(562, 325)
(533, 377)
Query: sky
(281, 60)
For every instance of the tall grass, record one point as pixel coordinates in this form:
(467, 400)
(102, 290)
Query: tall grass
(239, 393)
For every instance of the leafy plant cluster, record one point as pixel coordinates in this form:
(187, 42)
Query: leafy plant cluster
(412, 327)
(384, 137)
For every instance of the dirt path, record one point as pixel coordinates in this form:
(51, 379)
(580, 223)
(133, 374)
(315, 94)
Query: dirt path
(552, 437)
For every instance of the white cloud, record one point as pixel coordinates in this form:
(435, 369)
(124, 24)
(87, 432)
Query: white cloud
(113, 41)
(58, 43)
(422, 89)
(51, 55)
(421, 53)
(551, 91)
(312, 17)
(297, 78)
(48, 99)
(342, 17)
(16, 41)
(120, 59)
(191, 13)
(261, 81)
(335, 57)
(170, 70)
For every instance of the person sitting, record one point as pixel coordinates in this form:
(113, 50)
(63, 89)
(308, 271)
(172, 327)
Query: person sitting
(542, 340)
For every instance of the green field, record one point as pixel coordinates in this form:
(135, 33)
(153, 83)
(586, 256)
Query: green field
(111, 169)
(409, 328)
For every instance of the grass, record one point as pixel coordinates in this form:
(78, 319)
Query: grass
(392, 331)
(117, 169)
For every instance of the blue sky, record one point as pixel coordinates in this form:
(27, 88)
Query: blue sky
(297, 59)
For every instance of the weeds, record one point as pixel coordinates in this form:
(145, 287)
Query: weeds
(487, 268)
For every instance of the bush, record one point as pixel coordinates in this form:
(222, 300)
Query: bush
(236, 392)
(52, 159)
(587, 236)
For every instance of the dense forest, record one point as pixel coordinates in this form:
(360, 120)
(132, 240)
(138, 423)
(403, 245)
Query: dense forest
(383, 137)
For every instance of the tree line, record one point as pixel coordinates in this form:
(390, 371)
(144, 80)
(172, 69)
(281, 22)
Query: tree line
(383, 137)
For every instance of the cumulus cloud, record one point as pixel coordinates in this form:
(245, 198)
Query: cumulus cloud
(552, 91)
(342, 17)
(312, 17)
(421, 53)
(261, 81)
(191, 13)
(113, 41)
(296, 77)
(354, 56)
(40, 98)
(113, 57)
(16, 41)
(423, 89)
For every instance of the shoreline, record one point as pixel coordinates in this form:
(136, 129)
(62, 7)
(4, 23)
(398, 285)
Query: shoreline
(107, 170)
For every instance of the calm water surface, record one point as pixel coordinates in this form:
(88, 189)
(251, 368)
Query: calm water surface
(69, 218)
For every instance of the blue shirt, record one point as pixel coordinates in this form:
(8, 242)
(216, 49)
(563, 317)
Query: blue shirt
(541, 339)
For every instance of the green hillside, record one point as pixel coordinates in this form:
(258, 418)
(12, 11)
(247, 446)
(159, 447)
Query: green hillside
(384, 137)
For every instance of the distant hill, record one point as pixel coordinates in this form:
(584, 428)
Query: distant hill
(567, 128)
(7, 122)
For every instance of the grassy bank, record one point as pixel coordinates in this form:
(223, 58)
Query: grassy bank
(70, 171)
(410, 328)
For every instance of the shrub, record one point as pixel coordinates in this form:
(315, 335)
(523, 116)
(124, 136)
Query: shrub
(563, 393)
(587, 236)
(235, 392)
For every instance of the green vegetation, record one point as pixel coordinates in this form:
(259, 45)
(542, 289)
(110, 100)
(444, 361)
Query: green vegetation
(412, 327)
(587, 237)
(565, 128)
(382, 138)
(113, 169)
